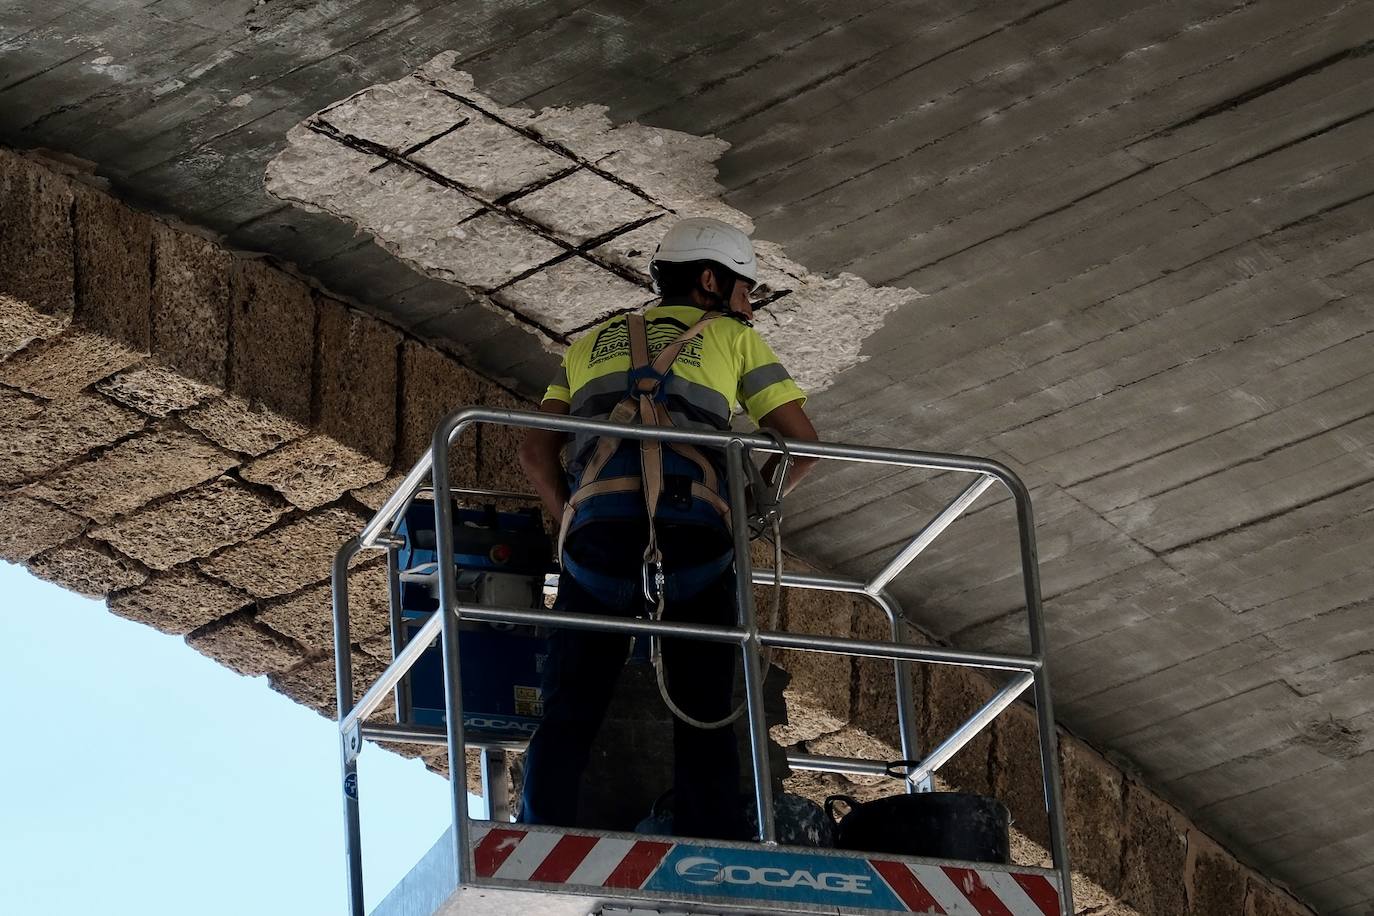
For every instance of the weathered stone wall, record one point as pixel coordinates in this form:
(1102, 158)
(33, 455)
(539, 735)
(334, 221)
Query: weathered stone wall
(190, 435)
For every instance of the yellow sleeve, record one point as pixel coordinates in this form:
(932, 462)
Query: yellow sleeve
(558, 389)
(764, 384)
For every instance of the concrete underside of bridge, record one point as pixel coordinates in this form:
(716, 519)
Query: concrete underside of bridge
(1123, 247)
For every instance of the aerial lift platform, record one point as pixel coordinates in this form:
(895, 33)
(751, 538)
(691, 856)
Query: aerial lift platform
(492, 866)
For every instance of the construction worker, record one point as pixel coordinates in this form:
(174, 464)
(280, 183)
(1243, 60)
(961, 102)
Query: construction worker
(620, 558)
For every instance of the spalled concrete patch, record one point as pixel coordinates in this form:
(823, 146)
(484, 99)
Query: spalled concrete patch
(155, 391)
(313, 471)
(584, 205)
(134, 473)
(630, 250)
(370, 114)
(236, 424)
(192, 524)
(490, 158)
(179, 602)
(284, 559)
(232, 625)
(545, 186)
(571, 294)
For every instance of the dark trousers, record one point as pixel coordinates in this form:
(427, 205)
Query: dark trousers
(579, 679)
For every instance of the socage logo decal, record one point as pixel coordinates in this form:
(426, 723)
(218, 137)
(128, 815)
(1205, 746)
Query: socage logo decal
(701, 870)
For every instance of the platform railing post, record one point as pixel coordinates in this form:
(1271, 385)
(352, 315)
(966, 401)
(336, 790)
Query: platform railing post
(906, 699)
(393, 608)
(448, 640)
(1044, 705)
(748, 620)
(343, 685)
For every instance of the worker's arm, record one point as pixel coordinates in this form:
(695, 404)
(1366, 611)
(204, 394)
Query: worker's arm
(540, 459)
(791, 422)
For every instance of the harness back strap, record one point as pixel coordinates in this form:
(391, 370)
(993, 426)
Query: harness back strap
(642, 402)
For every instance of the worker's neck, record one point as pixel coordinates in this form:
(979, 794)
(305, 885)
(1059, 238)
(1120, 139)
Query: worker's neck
(687, 300)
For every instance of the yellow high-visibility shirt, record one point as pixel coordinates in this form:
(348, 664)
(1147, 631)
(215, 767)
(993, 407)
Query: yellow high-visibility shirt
(729, 364)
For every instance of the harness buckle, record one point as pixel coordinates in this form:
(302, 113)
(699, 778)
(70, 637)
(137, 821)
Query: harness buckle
(653, 579)
(648, 372)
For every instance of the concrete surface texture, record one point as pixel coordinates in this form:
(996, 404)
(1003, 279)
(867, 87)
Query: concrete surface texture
(1137, 240)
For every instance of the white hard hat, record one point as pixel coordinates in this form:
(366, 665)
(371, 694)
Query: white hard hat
(700, 238)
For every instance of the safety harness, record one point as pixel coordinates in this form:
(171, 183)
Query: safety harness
(645, 402)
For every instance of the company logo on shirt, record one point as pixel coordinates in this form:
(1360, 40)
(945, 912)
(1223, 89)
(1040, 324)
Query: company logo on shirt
(614, 340)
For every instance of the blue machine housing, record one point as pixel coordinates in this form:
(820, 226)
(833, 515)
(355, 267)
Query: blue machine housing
(502, 665)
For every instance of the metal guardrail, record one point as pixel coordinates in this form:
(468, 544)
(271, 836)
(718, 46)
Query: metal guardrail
(434, 466)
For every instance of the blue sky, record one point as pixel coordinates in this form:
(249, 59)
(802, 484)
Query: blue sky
(139, 777)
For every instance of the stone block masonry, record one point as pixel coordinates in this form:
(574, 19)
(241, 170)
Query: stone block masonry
(190, 332)
(183, 431)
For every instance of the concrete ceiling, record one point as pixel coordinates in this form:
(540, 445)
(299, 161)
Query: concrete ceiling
(1141, 238)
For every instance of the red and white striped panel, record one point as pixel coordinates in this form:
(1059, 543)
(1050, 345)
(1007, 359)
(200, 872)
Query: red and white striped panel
(591, 861)
(516, 854)
(947, 890)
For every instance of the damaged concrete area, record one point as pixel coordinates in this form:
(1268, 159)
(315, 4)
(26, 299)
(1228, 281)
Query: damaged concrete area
(549, 217)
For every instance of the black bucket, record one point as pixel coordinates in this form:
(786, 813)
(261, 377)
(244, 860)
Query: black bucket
(937, 825)
(799, 821)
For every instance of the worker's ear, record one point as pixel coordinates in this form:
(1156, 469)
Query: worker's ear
(708, 281)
